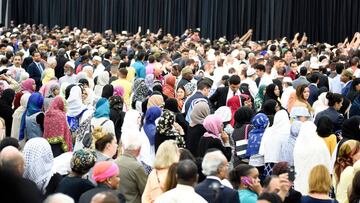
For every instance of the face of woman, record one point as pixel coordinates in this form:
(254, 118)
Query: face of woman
(112, 147)
(277, 91)
(84, 95)
(114, 182)
(338, 106)
(56, 92)
(34, 86)
(306, 93)
(254, 175)
(180, 93)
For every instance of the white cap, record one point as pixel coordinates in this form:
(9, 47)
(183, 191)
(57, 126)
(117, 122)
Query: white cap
(250, 72)
(70, 63)
(287, 79)
(97, 58)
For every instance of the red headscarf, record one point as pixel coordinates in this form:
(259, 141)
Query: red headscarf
(234, 103)
(168, 88)
(56, 129)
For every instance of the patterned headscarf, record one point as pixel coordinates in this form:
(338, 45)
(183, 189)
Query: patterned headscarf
(165, 127)
(38, 162)
(140, 90)
(119, 91)
(82, 161)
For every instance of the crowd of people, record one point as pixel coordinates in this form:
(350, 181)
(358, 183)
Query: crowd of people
(152, 117)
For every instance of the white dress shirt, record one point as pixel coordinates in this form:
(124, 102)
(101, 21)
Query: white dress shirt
(182, 193)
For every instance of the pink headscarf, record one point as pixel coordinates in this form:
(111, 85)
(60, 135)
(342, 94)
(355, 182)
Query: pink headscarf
(118, 91)
(44, 90)
(213, 125)
(27, 85)
(104, 170)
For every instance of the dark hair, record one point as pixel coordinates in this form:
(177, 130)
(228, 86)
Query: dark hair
(34, 52)
(280, 168)
(151, 59)
(303, 71)
(299, 92)
(185, 154)
(104, 139)
(186, 171)
(234, 80)
(123, 71)
(324, 126)
(141, 55)
(109, 197)
(238, 172)
(271, 197)
(84, 81)
(268, 179)
(355, 82)
(107, 54)
(314, 78)
(260, 67)
(354, 61)
(203, 84)
(355, 189)
(9, 141)
(339, 68)
(334, 98)
(293, 62)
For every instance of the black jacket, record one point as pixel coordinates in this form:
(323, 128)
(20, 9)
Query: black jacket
(87, 196)
(206, 143)
(193, 138)
(214, 192)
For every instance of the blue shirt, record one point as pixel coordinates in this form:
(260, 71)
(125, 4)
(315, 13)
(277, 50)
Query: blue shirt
(308, 199)
(247, 196)
(140, 69)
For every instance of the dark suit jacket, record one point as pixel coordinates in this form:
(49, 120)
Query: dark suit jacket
(214, 192)
(314, 93)
(218, 99)
(59, 69)
(87, 196)
(35, 73)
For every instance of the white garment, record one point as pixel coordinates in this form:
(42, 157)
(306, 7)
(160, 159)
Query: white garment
(252, 86)
(98, 70)
(75, 105)
(62, 163)
(147, 152)
(102, 80)
(336, 85)
(321, 104)
(15, 127)
(180, 194)
(309, 151)
(274, 137)
(273, 73)
(107, 124)
(69, 79)
(286, 95)
(265, 80)
(230, 94)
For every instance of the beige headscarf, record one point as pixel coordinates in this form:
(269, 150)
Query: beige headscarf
(199, 113)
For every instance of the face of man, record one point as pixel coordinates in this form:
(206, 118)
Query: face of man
(234, 87)
(68, 70)
(294, 67)
(259, 73)
(17, 61)
(37, 57)
(189, 76)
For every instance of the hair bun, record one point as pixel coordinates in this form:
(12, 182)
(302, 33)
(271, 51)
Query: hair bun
(329, 95)
(97, 133)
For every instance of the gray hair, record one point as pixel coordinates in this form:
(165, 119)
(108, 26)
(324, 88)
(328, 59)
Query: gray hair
(59, 197)
(212, 162)
(131, 141)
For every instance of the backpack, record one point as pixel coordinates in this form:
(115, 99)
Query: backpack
(87, 139)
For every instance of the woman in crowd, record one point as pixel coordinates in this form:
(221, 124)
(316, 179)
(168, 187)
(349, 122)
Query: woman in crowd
(171, 104)
(168, 129)
(245, 179)
(6, 112)
(272, 92)
(57, 135)
(319, 186)
(27, 86)
(106, 175)
(39, 161)
(149, 128)
(74, 184)
(301, 96)
(155, 100)
(117, 114)
(180, 96)
(260, 121)
(335, 103)
(108, 91)
(287, 148)
(259, 99)
(269, 108)
(140, 93)
(272, 140)
(102, 80)
(131, 123)
(196, 128)
(309, 150)
(214, 137)
(321, 104)
(101, 117)
(354, 196)
(15, 128)
(240, 135)
(167, 154)
(54, 91)
(32, 122)
(345, 168)
(104, 143)
(324, 130)
(168, 88)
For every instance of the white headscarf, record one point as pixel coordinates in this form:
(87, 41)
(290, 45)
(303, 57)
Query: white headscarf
(309, 150)
(102, 80)
(39, 161)
(274, 137)
(75, 105)
(131, 124)
(321, 104)
(15, 127)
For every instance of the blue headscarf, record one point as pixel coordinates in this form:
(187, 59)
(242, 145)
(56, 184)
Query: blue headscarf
(34, 105)
(287, 149)
(150, 127)
(260, 122)
(102, 108)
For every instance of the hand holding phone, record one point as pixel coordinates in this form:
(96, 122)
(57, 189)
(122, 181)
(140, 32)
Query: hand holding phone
(246, 181)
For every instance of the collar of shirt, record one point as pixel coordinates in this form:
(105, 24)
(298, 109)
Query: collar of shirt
(214, 178)
(184, 187)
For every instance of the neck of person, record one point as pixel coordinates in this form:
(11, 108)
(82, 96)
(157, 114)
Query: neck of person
(319, 196)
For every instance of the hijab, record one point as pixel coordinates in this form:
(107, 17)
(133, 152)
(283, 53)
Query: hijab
(155, 100)
(243, 116)
(213, 125)
(234, 103)
(268, 107)
(168, 88)
(7, 97)
(260, 95)
(166, 121)
(34, 105)
(75, 105)
(287, 149)
(38, 162)
(52, 88)
(140, 90)
(260, 121)
(131, 121)
(17, 116)
(102, 108)
(149, 81)
(324, 127)
(200, 111)
(149, 126)
(116, 102)
(119, 91)
(269, 92)
(102, 80)
(56, 114)
(351, 128)
(321, 104)
(3, 86)
(46, 89)
(171, 104)
(107, 91)
(27, 85)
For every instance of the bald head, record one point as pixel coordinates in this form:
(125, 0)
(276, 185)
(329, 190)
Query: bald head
(12, 159)
(104, 197)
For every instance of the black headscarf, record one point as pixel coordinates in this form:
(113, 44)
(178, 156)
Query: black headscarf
(116, 102)
(269, 92)
(324, 127)
(108, 91)
(7, 96)
(268, 107)
(243, 116)
(84, 81)
(351, 128)
(172, 105)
